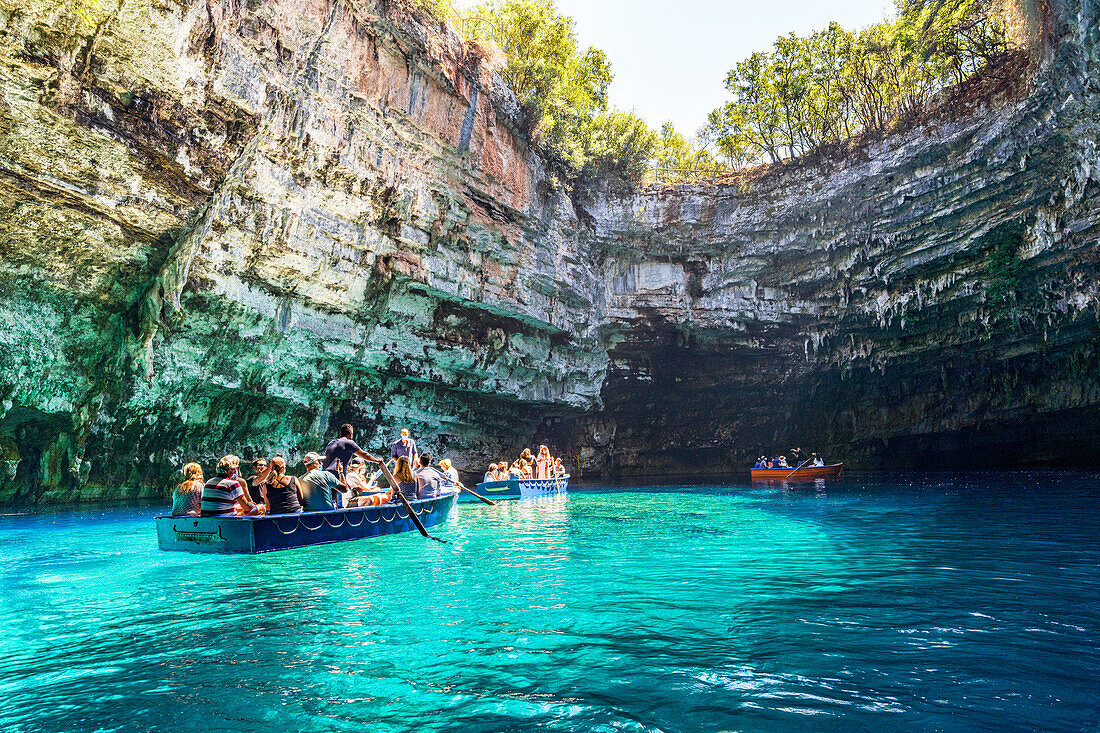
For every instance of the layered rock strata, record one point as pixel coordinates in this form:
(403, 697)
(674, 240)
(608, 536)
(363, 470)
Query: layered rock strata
(931, 302)
(235, 226)
(228, 226)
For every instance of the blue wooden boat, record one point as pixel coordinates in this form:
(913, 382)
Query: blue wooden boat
(251, 535)
(524, 487)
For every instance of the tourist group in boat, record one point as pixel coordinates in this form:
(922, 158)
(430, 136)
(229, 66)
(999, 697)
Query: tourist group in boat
(780, 461)
(798, 468)
(333, 479)
(528, 466)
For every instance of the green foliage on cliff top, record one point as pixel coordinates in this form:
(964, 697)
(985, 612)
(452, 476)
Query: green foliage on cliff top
(833, 84)
(807, 92)
(679, 158)
(563, 91)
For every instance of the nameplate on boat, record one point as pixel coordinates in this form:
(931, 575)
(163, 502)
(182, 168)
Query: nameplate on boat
(203, 538)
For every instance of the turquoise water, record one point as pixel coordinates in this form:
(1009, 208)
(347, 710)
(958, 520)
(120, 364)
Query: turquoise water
(929, 602)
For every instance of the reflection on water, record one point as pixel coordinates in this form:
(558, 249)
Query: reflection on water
(917, 601)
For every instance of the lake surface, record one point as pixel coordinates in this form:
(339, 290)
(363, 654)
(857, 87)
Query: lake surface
(907, 602)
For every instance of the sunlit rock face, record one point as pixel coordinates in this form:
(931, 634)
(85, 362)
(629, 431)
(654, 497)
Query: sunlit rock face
(932, 303)
(228, 226)
(234, 226)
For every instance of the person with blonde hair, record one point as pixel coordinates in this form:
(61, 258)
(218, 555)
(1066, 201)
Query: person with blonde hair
(225, 492)
(449, 471)
(543, 463)
(187, 496)
(406, 479)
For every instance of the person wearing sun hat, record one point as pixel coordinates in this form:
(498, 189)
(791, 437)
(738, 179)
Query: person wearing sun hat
(317, 486)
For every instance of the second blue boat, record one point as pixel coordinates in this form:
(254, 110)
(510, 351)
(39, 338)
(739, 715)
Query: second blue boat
(524, 487)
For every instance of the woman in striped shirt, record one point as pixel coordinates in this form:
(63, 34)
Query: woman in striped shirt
(225, 492)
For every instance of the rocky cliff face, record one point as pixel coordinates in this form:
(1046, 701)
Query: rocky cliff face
(228, 226)
(234, 226)
(932, 304)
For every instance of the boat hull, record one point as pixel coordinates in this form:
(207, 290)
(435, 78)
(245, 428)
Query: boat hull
(252, 535)
(524, 487)
(797, 474)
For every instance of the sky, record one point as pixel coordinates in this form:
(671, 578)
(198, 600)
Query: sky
(670, 57)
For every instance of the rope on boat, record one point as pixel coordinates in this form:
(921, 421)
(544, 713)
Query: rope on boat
(311, 529)
(298, 523)
(292, 531)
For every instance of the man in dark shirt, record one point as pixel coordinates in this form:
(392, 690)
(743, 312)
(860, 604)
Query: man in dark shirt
(340, 450)
(404, 447)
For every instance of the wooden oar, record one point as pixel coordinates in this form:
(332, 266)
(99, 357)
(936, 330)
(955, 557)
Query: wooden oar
(405, 502)
(800, 465)
(462, 486)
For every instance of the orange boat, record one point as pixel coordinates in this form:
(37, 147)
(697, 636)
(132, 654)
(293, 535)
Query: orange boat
(797, 474)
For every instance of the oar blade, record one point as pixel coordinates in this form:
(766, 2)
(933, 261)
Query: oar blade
(404, 502)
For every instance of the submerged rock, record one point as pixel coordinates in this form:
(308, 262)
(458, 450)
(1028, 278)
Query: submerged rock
(233, 227)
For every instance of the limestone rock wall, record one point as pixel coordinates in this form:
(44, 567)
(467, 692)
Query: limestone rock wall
(234, 226)
(932, 304)
(226, 226)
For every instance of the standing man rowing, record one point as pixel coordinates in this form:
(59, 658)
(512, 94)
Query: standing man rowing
(339, 452)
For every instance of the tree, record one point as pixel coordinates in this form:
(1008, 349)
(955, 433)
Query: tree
(618, 146)
(830, 85)
(751, 123)
(563, 91)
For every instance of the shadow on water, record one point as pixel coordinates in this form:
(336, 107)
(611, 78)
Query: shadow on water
(901, 601)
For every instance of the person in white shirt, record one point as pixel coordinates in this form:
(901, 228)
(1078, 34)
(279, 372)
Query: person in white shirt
(543, 463)
(449, 471)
